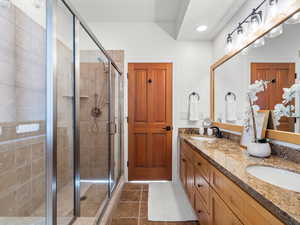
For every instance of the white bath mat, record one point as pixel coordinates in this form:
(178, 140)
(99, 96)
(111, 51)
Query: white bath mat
(168, 202)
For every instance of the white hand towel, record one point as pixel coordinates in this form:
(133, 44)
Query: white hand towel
(230, 111)
(194, 108)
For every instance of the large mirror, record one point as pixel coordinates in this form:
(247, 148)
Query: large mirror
(274, 58)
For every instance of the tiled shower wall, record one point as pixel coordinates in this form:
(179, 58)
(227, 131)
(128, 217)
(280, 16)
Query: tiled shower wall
(22, 101)
(93, 141)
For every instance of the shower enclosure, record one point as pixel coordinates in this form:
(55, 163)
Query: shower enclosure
(61, 124)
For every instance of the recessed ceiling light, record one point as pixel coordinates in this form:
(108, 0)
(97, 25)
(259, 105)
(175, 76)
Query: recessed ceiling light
(201, 28)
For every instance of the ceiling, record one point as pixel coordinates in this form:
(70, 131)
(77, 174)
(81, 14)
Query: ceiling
(179, 18)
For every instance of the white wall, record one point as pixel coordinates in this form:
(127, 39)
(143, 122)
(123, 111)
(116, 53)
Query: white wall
(147, 42)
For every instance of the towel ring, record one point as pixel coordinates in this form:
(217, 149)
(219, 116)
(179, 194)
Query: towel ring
(193, 94)
(230, 94)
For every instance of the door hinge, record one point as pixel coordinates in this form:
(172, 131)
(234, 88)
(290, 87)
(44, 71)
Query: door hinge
(295, 75)
(127, 118)
(127, 163)
(127, 75)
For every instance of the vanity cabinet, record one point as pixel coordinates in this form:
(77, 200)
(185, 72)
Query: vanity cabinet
(215, 198)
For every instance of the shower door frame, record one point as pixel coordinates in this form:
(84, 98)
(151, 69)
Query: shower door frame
(51, 114)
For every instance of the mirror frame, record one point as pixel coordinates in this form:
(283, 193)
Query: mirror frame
(283, 136)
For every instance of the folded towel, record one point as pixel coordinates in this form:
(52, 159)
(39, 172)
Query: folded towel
(194, 108)
(230, 110)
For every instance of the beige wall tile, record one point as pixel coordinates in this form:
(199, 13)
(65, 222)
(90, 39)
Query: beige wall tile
(8, 205)
(38, 151)
(23, 174)
(7, 158)
(23, 155)
(38, 167)
(8, 181)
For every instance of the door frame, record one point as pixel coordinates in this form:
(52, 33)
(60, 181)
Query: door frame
(126, 124)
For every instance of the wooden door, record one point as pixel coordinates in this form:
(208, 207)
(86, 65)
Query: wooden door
(220, 213)
(150, 121)
(283, 75)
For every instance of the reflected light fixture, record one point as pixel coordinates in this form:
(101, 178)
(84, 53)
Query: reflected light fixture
(229, 44)
(275, 32)
(259, 42)
(201, 28)
(294, 19)
(272, 9)
(38, 3)
(5, 3)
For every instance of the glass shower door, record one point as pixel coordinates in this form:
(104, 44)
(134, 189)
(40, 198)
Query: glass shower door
(65, 115)
(94, 133)
(115, 151)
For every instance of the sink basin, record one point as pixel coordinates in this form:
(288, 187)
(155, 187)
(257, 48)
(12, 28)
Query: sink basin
(203, 138)
(278, 177)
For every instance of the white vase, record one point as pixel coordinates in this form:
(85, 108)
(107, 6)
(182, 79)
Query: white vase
(261, 150)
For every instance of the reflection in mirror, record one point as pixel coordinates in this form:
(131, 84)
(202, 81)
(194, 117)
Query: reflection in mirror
(277, 60)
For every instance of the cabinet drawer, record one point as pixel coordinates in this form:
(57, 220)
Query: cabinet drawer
(202, 165)
(256, 214)
(220, 213)
(202, 187)
(228, 191)
(187, 151)
(201, 210)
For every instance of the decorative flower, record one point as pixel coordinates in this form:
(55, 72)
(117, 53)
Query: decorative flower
(252, 110)
(285, 109)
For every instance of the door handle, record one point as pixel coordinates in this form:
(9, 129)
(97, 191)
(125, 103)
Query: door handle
(167, 128)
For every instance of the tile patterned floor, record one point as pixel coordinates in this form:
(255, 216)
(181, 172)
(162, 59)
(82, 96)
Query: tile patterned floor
(133, 208)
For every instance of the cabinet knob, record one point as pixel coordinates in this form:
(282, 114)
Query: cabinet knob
(199, 211)
(199, 185)
(199, 164)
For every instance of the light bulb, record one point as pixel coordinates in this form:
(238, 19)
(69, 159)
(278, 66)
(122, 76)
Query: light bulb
(272, 10)
(5, 3)
(259, 42)
(240, 36)
(229, 44)
(255, 21)
(294, 19)
(275, 32)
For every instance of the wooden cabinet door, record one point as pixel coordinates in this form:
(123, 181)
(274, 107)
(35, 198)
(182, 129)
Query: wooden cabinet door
(183, 170)
(220, 213)
(150, 121)
(190, 178)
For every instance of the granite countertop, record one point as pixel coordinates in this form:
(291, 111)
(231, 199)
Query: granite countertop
(232, 161)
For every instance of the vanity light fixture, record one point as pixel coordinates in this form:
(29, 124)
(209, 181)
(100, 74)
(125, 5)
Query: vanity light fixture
(294, 19)
(201, 28)
(5, 3)
(254, 19)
